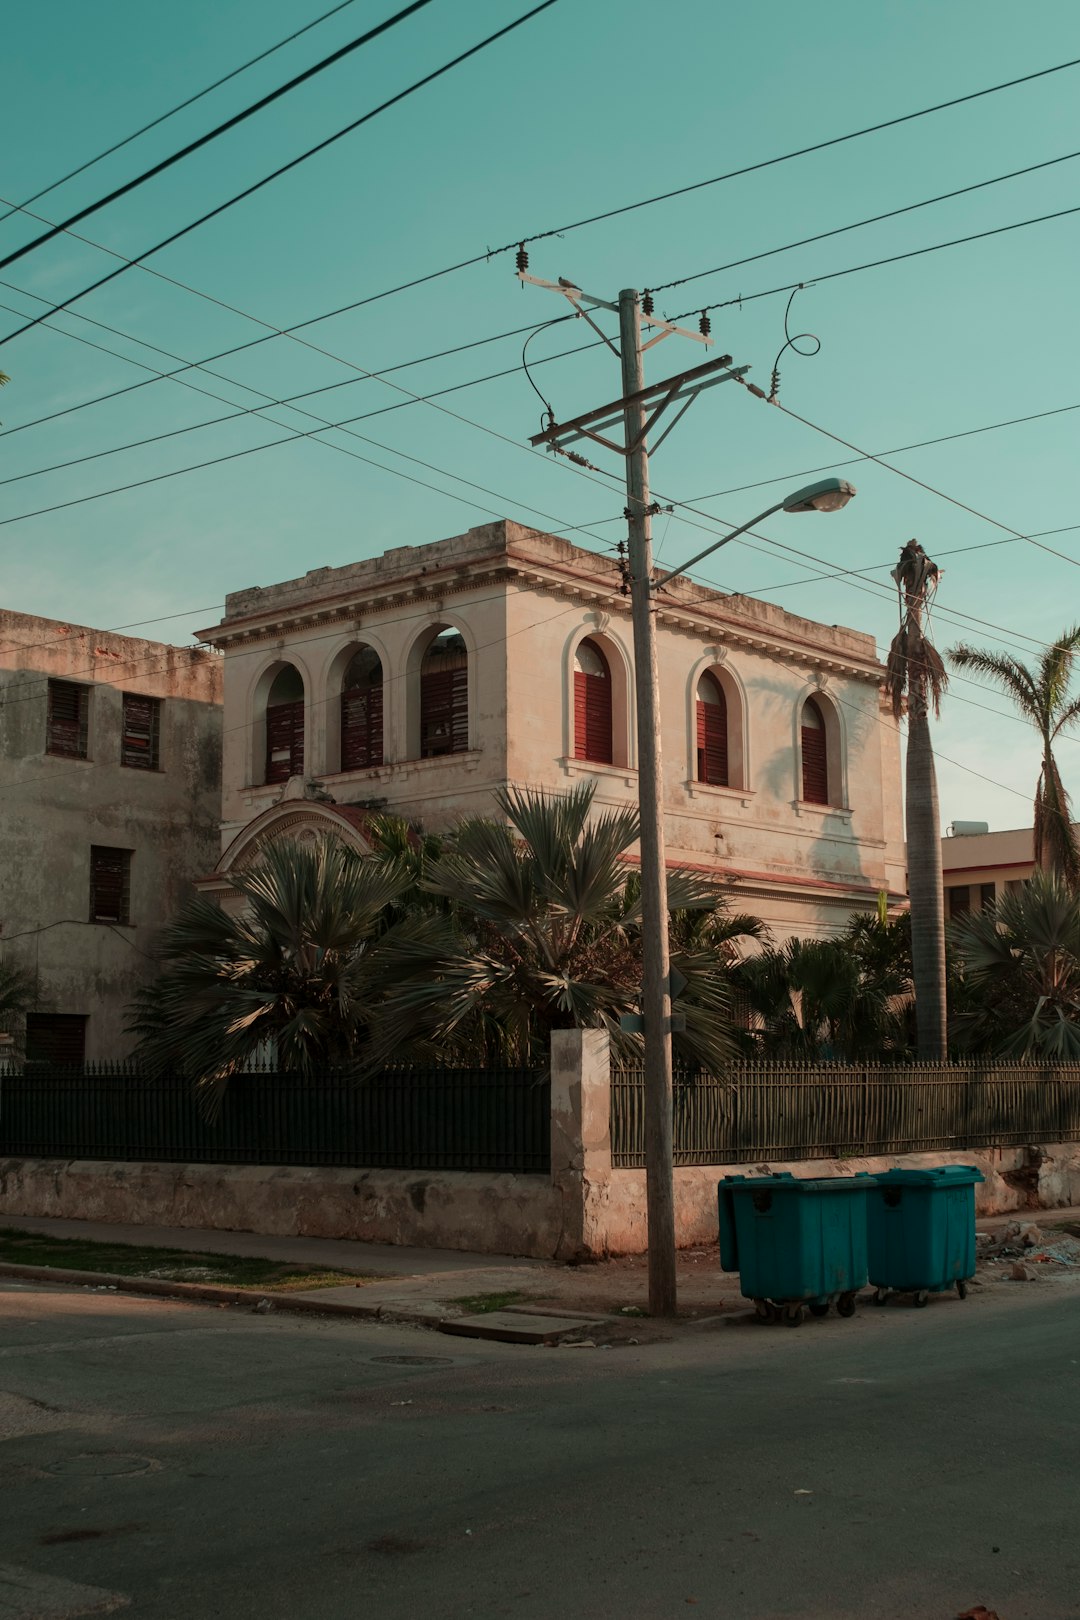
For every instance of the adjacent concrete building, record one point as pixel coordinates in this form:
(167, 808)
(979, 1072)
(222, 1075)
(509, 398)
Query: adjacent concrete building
(109, 807)
(424, 679)
(978, 868)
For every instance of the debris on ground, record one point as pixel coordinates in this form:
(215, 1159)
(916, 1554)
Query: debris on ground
(1024, 1252)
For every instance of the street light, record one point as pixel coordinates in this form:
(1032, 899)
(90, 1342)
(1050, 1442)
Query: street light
(829, 495)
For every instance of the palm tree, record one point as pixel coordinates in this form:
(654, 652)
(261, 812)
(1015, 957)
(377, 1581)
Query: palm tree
(1020, 960)
(18, 994)
(915, 676)
(1042, 697)
(827, 998)
(549, 936)
(300, 971)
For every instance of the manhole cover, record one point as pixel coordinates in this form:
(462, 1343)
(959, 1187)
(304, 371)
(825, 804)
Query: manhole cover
(94, 1463)
(415, 1361)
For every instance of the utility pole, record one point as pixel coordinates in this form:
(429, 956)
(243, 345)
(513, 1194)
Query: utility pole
(639, 408)
(656, 988)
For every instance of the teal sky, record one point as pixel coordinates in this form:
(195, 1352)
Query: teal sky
(594, 104)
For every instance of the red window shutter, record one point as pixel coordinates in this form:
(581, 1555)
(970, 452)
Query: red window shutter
(712, 742)
(139, 746)
(444, 711)
(284, 741)
(592, 718)
(815, 770)
(361, 727)
(66, 728)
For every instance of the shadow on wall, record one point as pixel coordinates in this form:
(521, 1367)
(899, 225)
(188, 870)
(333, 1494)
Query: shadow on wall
(833, 851)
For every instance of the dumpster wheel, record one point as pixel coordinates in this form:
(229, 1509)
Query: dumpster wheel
(922, 1297)
(765, 1310)
(881, 1296)
(961, 1289)
(819, 1307)
(845, 1305)
(793, 1313)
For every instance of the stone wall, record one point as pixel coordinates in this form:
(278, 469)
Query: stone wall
(584, 1208)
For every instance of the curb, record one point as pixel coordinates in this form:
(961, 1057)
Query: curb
(208, 1293)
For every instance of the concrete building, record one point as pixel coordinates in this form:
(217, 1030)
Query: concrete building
(978, 868)
(109, 806)
(424, 679)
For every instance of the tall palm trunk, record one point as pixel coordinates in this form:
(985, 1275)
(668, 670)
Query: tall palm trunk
(923, 827)
(915, 675)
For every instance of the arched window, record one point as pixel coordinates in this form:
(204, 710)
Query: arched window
(362, 712)
(592, 705)
(712, 732)
(815, 756)
(285, 726)
(444, 696)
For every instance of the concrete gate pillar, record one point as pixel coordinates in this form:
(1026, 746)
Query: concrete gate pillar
(581, 1138)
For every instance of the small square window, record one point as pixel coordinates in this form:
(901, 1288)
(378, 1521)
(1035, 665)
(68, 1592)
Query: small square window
(140, 746)
(58, 1039)
(67, 728)
(110, 885)
(987, 895)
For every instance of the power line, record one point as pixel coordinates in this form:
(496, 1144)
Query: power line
(930, 488)
(117, 146)
(213, 134)
(802, 151)
(873, 219)
(876, 264)
(283, 168)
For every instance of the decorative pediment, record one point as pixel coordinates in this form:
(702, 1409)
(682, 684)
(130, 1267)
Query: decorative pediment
(300, 820)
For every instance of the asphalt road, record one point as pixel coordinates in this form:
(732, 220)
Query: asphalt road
(182, 1462)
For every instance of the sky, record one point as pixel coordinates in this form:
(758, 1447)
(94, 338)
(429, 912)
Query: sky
(589, 106)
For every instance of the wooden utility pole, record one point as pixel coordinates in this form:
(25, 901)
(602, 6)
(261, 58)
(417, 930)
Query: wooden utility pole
(639, 408)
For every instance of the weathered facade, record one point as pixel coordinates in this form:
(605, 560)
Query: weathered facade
(109, 807)
(426, 678)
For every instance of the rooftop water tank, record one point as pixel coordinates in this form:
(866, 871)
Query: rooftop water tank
(967, 829)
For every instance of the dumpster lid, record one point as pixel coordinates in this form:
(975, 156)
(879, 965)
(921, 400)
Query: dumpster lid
(785, 1181)
(942, 1175)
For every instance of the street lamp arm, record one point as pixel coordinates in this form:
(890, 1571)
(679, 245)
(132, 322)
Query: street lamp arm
(666, 579)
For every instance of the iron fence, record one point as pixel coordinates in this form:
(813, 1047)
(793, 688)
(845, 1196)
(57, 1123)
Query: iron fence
(403, 1118)
(762, 1111)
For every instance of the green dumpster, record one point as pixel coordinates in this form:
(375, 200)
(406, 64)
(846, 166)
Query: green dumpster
(921, 1231)
(795, 1242)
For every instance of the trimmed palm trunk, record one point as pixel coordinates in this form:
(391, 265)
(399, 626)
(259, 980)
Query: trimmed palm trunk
(923, 828)
(915, 677)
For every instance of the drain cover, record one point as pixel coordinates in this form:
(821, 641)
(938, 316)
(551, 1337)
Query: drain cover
(93, 1463)
(415, 1361)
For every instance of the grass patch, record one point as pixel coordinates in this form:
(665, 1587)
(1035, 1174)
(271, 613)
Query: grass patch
(480, 1304)
(168, 1265)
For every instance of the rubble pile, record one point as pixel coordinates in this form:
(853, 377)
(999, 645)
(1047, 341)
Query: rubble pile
(1023, 1252)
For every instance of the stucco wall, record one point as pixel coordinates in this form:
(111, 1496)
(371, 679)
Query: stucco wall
(56, 808)
(523, 601)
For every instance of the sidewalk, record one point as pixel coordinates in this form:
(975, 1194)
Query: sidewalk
(432, 1286)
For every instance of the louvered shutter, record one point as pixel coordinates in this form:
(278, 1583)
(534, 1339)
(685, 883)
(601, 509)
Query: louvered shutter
(815, 770)
(66, 725)
(58, 1039)
(284, 741)
(444, 710)
(712, 741)
(139, 747)
(592, 718)
(109, 886)
(361, 727)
